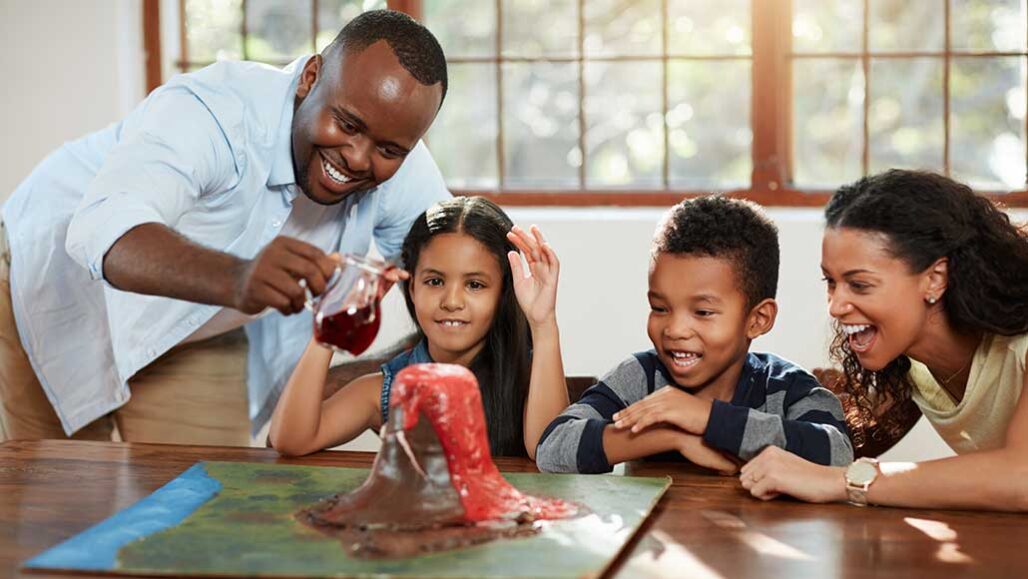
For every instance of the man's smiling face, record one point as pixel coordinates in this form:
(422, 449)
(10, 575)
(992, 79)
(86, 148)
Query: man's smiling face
(358, 114)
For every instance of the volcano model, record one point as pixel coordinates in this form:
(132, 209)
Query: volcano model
(433, 485)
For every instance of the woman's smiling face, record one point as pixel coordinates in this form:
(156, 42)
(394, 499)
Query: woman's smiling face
(873, 295)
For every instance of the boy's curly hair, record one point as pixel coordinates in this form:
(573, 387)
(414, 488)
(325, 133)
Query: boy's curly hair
(733, 229)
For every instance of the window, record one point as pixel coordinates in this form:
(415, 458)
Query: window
(271, 31)
(566, 95)
(933, 84)
(641, 102)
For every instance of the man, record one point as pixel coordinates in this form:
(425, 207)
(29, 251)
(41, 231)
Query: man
(137, 253)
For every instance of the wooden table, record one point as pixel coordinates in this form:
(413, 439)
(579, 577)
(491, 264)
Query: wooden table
(705, 526)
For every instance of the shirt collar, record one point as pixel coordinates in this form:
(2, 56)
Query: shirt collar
(420, 355)
(282, 166)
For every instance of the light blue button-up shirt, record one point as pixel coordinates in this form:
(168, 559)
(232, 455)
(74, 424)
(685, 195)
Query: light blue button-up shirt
(209, 155)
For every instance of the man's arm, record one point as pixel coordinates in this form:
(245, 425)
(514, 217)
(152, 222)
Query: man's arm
(154, 259)
(171, 155)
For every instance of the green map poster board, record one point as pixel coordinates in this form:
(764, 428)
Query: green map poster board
(236, 519)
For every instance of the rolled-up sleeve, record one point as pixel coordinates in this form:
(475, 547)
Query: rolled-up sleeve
(169, 154)
(416, 186)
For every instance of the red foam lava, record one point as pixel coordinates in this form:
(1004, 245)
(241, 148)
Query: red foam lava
(449, 397)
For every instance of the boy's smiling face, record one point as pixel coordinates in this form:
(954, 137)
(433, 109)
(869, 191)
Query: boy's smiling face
(700, 322)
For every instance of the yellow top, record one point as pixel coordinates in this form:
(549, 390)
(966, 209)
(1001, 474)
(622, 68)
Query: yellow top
(980, 420)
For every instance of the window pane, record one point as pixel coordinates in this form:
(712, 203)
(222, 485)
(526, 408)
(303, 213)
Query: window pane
(625, 132)
(827, 25)
(213, 30)
(709, 27)
(622, 27)
(987, 144)
(463, 136)
(277, 30)
(463, 28)
(709, 123)
(333, 15)
(540, 124)
(988, 25)
(905, 119)
(898, 25)
(828, 128)
(540, 27)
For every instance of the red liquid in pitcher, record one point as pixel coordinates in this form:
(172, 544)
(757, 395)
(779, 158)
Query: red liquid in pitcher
(351, 332)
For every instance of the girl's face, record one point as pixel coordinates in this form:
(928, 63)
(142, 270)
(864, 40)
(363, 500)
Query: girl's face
(879, 303)
(456, 290)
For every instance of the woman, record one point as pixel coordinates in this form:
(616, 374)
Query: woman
(928, 286)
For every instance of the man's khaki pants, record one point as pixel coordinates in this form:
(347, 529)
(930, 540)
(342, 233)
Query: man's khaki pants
(194, 394)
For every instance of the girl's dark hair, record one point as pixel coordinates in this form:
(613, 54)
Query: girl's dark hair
(503, 366)
(925, 217)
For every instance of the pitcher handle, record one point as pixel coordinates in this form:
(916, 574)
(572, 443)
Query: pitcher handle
(308, 302)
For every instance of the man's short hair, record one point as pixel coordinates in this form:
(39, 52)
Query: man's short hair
(414, 45)
(733, 229)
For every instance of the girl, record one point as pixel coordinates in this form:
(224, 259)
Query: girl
(473, 305)
(928, 284)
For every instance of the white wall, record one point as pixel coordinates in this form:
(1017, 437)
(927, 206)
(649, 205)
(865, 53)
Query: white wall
(72, 67)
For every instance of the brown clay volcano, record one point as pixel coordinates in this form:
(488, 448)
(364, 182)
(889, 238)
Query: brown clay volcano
(433, 485)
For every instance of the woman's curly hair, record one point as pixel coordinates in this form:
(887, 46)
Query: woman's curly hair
(925, 217)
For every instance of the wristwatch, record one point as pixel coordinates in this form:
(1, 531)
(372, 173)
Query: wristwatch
(859, 477)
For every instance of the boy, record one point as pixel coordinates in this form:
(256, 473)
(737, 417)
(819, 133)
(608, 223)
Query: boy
(700, 392)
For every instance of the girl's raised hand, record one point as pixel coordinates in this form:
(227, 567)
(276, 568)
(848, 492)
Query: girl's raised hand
(536, 288)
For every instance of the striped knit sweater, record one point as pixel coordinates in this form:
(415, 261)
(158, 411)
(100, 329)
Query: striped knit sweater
(775, 403)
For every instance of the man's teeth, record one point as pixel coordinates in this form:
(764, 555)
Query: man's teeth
(850, 329)
(335, 175)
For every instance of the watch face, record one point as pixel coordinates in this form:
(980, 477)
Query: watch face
(861, 473)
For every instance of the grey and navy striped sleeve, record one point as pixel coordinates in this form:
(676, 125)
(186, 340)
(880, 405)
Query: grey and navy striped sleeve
(573, 442)
(798, 415)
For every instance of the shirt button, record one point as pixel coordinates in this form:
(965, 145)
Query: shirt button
(151, 352)
(276, 223)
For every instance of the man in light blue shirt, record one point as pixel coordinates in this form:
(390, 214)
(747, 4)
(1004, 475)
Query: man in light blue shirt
(147, 243)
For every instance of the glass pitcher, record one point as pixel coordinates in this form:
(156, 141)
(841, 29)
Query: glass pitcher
(348, 314)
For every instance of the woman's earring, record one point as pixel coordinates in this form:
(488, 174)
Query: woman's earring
(932, 300)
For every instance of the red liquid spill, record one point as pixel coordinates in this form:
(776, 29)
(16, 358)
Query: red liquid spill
(351, 332)
(449, 397)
